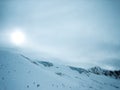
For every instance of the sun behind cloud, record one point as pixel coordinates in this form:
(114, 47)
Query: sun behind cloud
(17, 37)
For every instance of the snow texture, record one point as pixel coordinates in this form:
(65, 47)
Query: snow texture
(19, 72)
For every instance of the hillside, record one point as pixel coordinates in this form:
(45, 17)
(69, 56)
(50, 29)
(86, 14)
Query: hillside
(19, 72)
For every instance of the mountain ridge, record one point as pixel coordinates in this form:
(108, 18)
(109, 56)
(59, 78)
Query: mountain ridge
(19, 72)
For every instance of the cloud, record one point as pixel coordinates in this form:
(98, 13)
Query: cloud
(75, 31)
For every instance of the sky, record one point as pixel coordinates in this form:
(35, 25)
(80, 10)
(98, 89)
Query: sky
(75, 31)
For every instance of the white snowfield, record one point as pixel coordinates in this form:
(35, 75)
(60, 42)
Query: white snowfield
(19, 72)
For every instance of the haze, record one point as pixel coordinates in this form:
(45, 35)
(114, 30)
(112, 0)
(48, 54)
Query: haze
(75, 31)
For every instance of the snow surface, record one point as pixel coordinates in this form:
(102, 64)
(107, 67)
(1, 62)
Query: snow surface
(19, 72)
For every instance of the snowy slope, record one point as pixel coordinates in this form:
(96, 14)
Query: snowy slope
(19, 72)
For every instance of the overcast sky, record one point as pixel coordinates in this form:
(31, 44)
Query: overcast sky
(75, 31)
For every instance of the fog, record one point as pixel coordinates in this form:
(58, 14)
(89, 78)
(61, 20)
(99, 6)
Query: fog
(75, 31)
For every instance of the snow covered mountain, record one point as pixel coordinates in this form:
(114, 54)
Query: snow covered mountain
(100, 71)
(19, 72)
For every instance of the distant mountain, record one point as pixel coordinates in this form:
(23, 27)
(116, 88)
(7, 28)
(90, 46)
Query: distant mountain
(99, 71)
(19, 72)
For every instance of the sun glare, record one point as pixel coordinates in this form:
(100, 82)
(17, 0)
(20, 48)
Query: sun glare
(18, 37)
